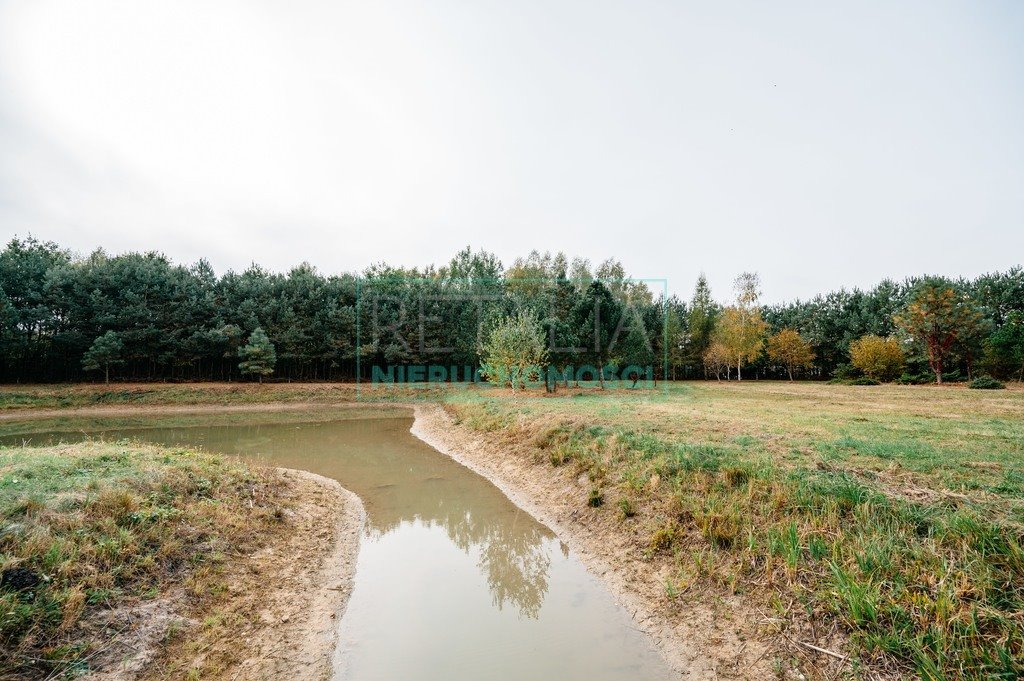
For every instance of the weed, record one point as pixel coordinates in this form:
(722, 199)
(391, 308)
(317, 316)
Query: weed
(626, 507)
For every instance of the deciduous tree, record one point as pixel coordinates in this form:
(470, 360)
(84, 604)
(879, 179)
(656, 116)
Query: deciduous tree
(879, 358)
(515, 350)
(740, 328)
(790, 350)
(717, 359)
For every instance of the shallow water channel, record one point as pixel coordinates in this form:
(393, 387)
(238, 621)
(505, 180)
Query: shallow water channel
(453, 581)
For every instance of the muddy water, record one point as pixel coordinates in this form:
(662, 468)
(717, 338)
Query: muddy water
(453, 581)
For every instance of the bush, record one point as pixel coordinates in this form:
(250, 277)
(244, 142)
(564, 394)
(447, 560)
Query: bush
(985, 383)
(915, 379)
(863, 380)
(880, 358)
(844, 372)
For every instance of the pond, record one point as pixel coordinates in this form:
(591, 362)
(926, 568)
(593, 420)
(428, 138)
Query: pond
(453, 581)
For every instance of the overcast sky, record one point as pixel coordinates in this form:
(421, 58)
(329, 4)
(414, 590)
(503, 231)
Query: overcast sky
(823, 144)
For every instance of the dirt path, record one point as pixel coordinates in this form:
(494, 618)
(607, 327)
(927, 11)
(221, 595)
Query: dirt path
(703, 643)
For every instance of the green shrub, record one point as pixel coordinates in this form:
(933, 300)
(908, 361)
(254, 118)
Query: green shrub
(985, 383)
(863, 380)
(915, 379)
(845, 372)
(953, 377)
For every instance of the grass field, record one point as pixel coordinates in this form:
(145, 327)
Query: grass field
(88, 529)
(890, 516)
(896, 512)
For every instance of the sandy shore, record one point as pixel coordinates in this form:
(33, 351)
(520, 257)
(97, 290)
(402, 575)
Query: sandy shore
(701, 643)
(302, 588)
(286, 600)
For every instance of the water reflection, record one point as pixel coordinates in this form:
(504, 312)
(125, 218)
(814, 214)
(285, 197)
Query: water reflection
(516, 570)
(421, 487)
(453, 581)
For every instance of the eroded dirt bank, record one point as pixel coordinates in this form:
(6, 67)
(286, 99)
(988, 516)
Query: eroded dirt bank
(284, 601)
(703, 643)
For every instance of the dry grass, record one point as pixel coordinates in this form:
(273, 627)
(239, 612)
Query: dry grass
(888, 515)
(107, 528)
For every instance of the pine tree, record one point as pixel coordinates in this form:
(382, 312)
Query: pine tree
(1006, 346)
(701, 322)
(258, 356)
(938, 316)
(104, 351)
(636, 352)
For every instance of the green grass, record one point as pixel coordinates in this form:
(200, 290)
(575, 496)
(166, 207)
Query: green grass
(101, 525)
(894, 511)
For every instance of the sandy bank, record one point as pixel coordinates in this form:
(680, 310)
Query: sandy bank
(698, 644)
(285, 601)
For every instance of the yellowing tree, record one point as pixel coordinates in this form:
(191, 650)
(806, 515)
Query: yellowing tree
(742, 334)
(740, 329)
(717, 359)
(790, 350)
(880, 358)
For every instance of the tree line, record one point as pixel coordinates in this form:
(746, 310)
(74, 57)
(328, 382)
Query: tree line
(138, 316)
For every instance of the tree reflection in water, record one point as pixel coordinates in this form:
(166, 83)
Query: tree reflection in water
(401, 483)
(514, 549)
(516, 565)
